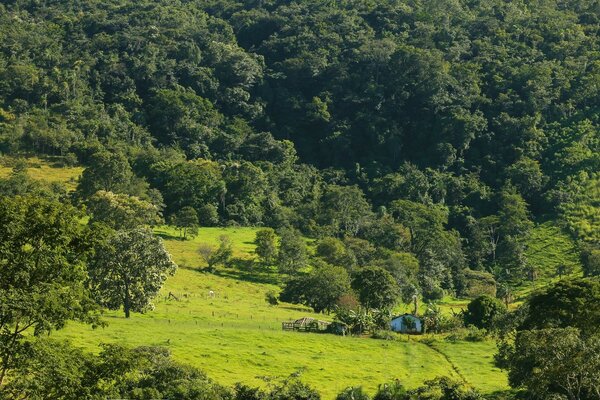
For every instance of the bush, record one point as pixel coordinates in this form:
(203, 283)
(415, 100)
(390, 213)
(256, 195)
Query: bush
(272, 298)
(433, 294)
(352, 393)
(475, 334)
(483, 312)
(208, 215)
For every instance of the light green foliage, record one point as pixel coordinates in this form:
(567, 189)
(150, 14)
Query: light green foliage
(129, 270)
(547, 248)
(345, 209)
(292, 253)
(42, 262)
(42, 170)
(186, 220)
(352, 393)
(582, 212)
(121, 211)
(266, 246)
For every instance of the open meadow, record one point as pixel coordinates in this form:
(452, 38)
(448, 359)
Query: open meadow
(236, 336)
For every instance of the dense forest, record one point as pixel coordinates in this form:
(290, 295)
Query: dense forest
(453, 124)
(417, 141)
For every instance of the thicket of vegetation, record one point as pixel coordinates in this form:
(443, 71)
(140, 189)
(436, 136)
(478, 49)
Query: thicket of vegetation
(417, 141)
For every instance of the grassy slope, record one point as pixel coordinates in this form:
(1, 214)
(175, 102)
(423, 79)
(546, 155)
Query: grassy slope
(237, 336)
(547, 248)
(44, 170)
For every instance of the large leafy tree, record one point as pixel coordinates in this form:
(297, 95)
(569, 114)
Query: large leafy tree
(376, 288)
(556, 362)
(107, 171)
(43, 248)
(292, 253)
(129, 269)
(121, 211)
(266, 246)
(320, 289)
(568, 303)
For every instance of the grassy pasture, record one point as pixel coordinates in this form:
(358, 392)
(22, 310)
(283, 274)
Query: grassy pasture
(237, 336)
(46, 171)
(548, 247)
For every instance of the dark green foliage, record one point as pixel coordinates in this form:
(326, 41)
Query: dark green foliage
(375, 287)
(391, 391)
(313, 114)
(568, 303)
(352, 393)
(437, 389)
(320, 289)
(556, 362)
(484, 312)
(109, 172)
(56, 370)
(590, 258)
(187, 183)
(334, 252)
(272, 298)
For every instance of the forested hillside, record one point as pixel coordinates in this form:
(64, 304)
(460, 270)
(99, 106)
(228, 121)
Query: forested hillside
(385, 154)
(457, 122)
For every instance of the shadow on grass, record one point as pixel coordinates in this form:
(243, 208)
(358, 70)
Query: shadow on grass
(254, 277)
(242, 270)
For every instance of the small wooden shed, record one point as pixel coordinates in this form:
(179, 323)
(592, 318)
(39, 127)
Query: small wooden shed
(407, 323)
(305, 324)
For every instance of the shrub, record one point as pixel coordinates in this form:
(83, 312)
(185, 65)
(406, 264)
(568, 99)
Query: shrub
(272, 298)
(352, 393)
(483, 312)
(391, 391)
(475, 334)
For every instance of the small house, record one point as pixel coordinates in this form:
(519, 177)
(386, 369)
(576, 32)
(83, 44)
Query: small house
(407, 323)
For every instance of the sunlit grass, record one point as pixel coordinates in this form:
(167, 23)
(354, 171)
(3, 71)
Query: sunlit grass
(47, 171)
(236, 336)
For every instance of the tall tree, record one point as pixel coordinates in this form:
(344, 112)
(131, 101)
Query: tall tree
(43, 249)
(292, 254)
(375, 287)
(186, 220)
(266, 246)
(129, 269)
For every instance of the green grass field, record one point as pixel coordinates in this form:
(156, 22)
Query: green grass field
(46, 171)
(237, 336)
(548, 247)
